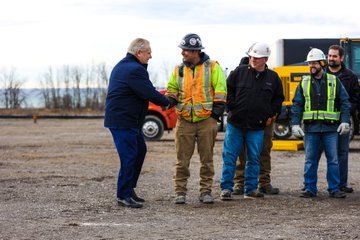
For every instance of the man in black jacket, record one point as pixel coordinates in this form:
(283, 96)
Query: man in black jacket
(127, 101)
(265, 161)
(254, 100)
(349, 80)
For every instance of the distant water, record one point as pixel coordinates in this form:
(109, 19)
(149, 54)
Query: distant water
(33, 97)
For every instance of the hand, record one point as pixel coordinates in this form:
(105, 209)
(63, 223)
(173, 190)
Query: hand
(269, 121)
(297, 131)
(164, 108)
(172, 102)
(344, 128)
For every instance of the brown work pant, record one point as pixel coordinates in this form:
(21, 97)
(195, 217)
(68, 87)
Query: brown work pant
(202, 133)
(265, 162)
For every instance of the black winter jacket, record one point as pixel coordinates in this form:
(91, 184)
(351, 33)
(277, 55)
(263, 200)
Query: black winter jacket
(350, 82)
(253, 97)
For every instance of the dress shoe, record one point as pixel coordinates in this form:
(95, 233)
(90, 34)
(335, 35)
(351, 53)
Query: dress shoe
(136, 198)
(129, 202)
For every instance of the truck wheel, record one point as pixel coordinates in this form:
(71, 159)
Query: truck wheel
(282, 130)
(153, 128)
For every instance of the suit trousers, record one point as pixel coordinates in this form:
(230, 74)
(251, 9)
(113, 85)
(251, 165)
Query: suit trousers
(131, 148)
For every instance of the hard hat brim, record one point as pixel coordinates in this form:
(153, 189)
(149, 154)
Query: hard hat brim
(188, 48)
(256, 55)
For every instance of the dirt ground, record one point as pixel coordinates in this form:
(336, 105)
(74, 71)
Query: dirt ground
(58, 181)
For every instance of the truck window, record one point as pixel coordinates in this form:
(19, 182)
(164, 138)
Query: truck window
(356, 58)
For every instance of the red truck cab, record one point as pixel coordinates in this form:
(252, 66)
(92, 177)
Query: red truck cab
(157, 121)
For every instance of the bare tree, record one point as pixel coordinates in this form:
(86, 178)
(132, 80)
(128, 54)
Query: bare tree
(90, 86)
(13, 96)
(66, 98)
(45, 93)
(76, 75)
(50, 93)
(102, 84)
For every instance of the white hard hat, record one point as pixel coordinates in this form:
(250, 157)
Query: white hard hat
(259, 50)
(315, 54)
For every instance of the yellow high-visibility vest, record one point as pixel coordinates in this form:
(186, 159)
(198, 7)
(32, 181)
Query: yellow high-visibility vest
(317, 114)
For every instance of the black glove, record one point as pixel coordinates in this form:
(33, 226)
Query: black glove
(172, 102)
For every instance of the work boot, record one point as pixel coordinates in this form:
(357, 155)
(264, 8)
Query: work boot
(225, 195)
(254, 195)
(238, 190)
(307, 194)
(346, 189)
(206, 197)
(338, 194)
(180, 198)
(269, 189)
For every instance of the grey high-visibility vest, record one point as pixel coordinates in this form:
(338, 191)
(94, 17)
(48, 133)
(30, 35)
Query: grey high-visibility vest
(331, 112)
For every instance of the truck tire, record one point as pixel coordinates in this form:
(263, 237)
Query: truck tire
(153, 128)
(282, 130)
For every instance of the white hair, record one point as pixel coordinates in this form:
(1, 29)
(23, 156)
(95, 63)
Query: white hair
(139, 44)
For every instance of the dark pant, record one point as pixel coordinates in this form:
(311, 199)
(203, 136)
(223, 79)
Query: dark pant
(131, 147)
(265, 161)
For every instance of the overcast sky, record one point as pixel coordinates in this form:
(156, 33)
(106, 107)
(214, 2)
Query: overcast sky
(36, 34)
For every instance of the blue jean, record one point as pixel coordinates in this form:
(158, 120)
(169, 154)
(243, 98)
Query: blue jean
(313, 142)
(343, 158)
(234, 139)
(131, 148)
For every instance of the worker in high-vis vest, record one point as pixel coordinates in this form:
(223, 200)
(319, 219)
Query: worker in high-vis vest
(198, 89)
(322, 103)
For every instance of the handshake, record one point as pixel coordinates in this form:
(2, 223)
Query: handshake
(172, 102)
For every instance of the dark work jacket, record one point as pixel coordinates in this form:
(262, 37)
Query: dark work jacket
(350, 83)
(129, 93)
(253, 97)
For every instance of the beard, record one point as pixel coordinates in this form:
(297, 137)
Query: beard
(314, 74)
(333, 64)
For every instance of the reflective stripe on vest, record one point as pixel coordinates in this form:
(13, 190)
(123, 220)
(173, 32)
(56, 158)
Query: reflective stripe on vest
(329, 113)
(206, 83)
(190, 106)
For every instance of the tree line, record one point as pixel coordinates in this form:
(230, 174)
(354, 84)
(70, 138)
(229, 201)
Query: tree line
(68, 87)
